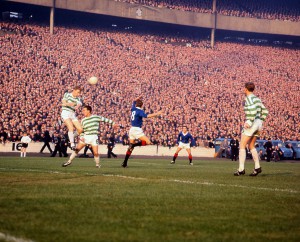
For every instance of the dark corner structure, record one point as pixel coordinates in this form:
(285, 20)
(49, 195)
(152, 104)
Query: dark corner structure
(211, 21)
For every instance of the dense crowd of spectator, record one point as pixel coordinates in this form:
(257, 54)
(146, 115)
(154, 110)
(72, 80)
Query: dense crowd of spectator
(264, 9)
(196, 85)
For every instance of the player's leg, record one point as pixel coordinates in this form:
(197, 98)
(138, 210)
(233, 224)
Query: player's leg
(176, 155)
(78, 126)
(68, 122)
(142, 141)
(190, 155)
(96, 155)
(135, 134)
(257, 168)
(74, 154)
(242, 154)
(128, 152)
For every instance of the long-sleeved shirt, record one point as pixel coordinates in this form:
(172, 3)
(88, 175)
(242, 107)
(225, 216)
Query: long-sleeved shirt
(137, 115)
(254, 109)
(69, 98)
(185, 138)
(91, 124)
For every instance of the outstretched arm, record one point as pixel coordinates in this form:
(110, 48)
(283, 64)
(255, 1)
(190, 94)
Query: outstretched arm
(152, 115)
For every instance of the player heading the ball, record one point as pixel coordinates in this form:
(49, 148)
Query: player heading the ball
(70, 103)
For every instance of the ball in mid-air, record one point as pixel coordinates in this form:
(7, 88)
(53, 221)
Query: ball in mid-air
(93, 80)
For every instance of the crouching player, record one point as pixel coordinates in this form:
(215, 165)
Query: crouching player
(185, 140)
(90, 124)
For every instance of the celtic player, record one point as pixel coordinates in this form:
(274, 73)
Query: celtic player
(90, 124)
(70, 103)
(256, 114)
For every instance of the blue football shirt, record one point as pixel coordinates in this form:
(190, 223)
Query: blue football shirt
(186, 138)
(137, 115)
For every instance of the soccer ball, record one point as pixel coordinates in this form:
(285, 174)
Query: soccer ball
(93, 80)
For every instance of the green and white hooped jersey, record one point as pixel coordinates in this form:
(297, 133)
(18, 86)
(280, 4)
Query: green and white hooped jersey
(90, 124)
(69, 98)
(254, 109)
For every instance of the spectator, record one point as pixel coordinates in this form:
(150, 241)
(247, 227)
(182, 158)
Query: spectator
(234, 145)
(110, 146)
(57, 145)
(128, 60)
(269, 149)
(47, 139)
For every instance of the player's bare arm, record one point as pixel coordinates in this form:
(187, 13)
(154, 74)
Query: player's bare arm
(152, 115)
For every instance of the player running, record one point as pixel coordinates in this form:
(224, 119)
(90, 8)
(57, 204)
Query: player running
(136, 134)
(90, 124)
(70, 103)
(184, 140)
(256, 114)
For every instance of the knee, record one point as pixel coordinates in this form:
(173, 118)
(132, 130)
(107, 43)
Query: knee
(96, 154)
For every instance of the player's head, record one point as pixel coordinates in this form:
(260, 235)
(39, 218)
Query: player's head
(184, 128)
(139, 103)
(86, 110)
(249, 86)
(76, 91)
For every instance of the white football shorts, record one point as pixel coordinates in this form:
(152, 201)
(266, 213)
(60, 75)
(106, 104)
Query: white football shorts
(136, 133)
(68, 115)
(89, 139)
(254, 130)
(184, 145)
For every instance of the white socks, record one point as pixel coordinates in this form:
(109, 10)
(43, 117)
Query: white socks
(242, 159)
(72, 156)
(71, 137)
(97, 160)
(23, 154)
(255, 158)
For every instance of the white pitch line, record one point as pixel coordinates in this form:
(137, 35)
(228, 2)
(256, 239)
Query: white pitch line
(9, 238)
(164, 180)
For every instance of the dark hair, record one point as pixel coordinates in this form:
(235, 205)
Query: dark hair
(89, 108)
(139, 103)
(250, 86)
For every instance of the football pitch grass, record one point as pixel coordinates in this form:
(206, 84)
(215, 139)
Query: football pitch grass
(151, 200)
